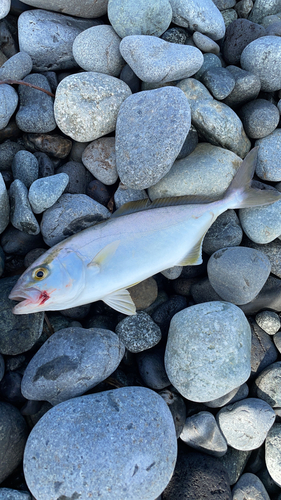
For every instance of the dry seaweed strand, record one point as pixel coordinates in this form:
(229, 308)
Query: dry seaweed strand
(21, 82)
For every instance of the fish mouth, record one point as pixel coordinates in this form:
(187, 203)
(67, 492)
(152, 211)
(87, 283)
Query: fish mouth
(30, 300)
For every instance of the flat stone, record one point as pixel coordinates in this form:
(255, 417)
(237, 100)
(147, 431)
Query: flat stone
(12, 439)
(259, 117)
(148, 143)
(222, 335)
(97, 49)
(4, 205)
(9, 102)
(147, 17)
(25, 167)
(154, 60)
(139, 332)
(21, 215)
(268, 164)
(207, 171)
(70, 362)
(238, 35)
(249, 486)
(267, 385)
(269, 321)
(36, 110)
(134, 436)
(224, 232)
(273, 454)
(204, 17)
(17, 67)
(87, 104)
(43, 34)
(238, 274)
(202, 433)
(43, 193)
(100, 159)
(246, 423)
(85, 8)
(263, 58)
(69, 215)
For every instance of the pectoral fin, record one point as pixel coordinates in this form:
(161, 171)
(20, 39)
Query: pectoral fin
(194, 256)
(104, 255)
(121, 301)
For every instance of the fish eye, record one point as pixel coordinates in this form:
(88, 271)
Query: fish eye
(39, 273)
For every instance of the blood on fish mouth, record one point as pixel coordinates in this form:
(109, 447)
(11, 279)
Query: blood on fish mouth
(43, 297)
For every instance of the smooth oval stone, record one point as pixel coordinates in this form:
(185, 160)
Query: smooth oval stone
(263, 58)
(147, 17)
(99, 158)
(247, 87)
(21, 216)
(54, 34)
(36, 111)
(201, 16)
(205, 43)
(238, 35)
(267, 385)
(151, 368)
(238, 274)
(273, 453)
(139, 332)
(221, 126)
(201, 432)
(9, 102)
(246, 423)
(97, 49)
(17, 67)
(135, 442)
(71, 362)
(207, 171)
(4, 205)
(69, 215)
(123, 194)
(249, 486)
(148, 143)
(259, 117)
(269, 321)
(154, 60)
(12, 439)
(25, 167)
(220, 332)
(210, 61)
(268, 165)
(261, 224)
(224, 232)
(75, 113)
(43, 193)
(83, 8)
(219, 81)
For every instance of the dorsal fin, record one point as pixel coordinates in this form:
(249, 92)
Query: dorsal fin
(132, 206)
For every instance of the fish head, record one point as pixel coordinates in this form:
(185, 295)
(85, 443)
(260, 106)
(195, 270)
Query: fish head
(53, 282)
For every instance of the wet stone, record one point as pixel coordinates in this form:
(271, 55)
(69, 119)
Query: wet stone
(269, 321)
(201, 432)
(17, 67)
(151, 368)
(238, 35)
(71, 362)
(225, 232)
(12, 439)
(9, 102)
(69, 215)
(138, 332)
(99, 158)
(43, 193)
(21, 216)
(53, 145)
(25, 167)
(204, 17)
(219, 81)
(259, 117)
(4, 205)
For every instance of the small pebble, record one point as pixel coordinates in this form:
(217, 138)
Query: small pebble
(99, 158)
(43, 193)
(202, 433)
(21, 216)
(177, 407)
(77, 176)
(269, 321)
(204, 43)
(259, 117)
(139, 332)
(249, 486)
(151, 368)
(219, 81)
(25, 167)
(45, 165)
(53, 145)
(204, 17)
(229, 15)
(263, 58)
(243, 8)
(4, 205)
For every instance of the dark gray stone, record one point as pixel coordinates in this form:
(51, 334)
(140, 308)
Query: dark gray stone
(219, 81)
(2, 367)
(130, 78)
(175, 35)
(139, 332)
(17, 242)
(4, 205)
(210, 61)
(259, 117)
(8, 149)
(234, 462)
(269, 297)
(189, 144)
(225, 232)
(77, 177)
(238, 35)
(151, 368)
(13, 436)
(43, 193)
(249, 486)
(247, 87)
(9, 102)
(2, 261)
(273, 453)
(263, 58)
(22, 217)
(177, 407)
(25, 167)
(45, 164)
(263, 350)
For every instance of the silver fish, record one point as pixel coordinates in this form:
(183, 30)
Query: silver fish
(138, 241)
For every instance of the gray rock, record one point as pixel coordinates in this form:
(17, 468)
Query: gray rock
(189, 144)
(247, 87)
(177, 407)
(17, 67)
(267, 385)
(246, 423)
(229, 15)
(175, 35)
(238, 274)
(21, 215)
(172, 273)
(151, 368)
(99, 158)
(277, 340)
(69, 215)
(264, 8)
(43, 34)
(225, 232)
(210, 61)
(9, 102)
(201, 16)
(243, 8)
(269, 321)
(221, 334)
(220, 126)
(84, 8)
(208, 170)
(194, 91)
(154, 60)
(238, 35)
(269, 165)
(12, 439)
(148, 143)
(134, 436)
(259, 117)
(205, 44)
(5, 8)
(97, 49)
(74, 111)
(263, 58)
(25, 167)
(240, 392)
(263, 351)
(123, 194)
(36, 111)
(71, 362)
(8, 149)
(249, 486)
(269, 297)
(224, 4)
(261, 224)
(219, 81)
(202, 433)
(273, 453)
(43, 193)
(139, 332)
(77, 175)
(234, 462)
(147, 17)
(9, 494)
(4, 205)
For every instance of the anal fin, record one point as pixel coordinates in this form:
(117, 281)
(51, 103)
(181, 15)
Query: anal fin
(121, 301)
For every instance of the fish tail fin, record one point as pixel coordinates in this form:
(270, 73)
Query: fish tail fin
(240, 193)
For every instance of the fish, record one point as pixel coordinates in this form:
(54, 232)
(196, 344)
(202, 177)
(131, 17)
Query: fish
(139, 240)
